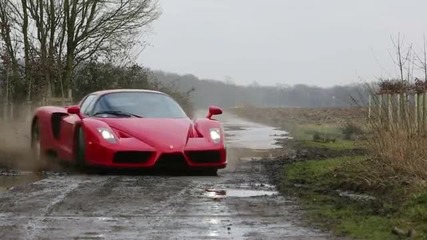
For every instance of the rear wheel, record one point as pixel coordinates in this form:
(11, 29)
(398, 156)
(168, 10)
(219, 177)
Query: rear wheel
(40, 157)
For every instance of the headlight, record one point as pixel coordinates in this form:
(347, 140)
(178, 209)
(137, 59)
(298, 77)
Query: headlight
(107, 134)
(215, 134)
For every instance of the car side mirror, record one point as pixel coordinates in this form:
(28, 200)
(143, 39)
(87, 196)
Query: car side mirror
(75, 109)
(214, 110)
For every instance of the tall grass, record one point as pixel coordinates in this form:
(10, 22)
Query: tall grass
(397, 137)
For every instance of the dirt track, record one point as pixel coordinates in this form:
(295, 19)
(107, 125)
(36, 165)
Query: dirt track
(80, 206)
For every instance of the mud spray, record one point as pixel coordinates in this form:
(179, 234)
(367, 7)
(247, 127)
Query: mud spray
(15, 165)
(15, 150)
(16, 156)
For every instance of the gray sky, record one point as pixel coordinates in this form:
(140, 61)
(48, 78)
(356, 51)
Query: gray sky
(316, 42)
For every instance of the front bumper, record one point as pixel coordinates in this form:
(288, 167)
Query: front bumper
(132, 153)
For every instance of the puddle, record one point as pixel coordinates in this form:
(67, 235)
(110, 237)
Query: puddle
(356, 196)
(346, 194)
(233, 128)
(259, 137)
(13, 179)
(252, 186)
(248, 193)
(251, 158)
(217, 194)
(245, 134)
(241, 133)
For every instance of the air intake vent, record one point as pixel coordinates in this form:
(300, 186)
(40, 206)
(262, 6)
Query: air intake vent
(131, 157)
(204, 156)
(171, 160)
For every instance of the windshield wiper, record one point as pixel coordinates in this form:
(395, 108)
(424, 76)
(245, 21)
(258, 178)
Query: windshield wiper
(117, 113)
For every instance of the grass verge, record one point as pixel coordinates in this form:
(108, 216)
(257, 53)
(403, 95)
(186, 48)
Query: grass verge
(335, 193)
(377, 196)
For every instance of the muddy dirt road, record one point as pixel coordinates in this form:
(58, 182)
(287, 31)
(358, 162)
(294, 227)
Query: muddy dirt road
(83, 206)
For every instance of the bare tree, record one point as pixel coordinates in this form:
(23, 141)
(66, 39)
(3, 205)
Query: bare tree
(402, 57)
(422, 60)
(57, 35)
(7, 24)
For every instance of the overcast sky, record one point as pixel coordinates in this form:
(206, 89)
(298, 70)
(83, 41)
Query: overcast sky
(316, 42)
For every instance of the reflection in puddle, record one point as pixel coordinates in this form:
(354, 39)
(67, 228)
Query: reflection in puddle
(219, 194)
(248, 193)
(92, 235)
(213, 221)
(355, 196)
(213, 234)
(259, 137)
(242, 133)
(11, 180)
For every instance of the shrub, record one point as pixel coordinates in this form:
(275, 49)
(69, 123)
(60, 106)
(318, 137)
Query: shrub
(351, 131)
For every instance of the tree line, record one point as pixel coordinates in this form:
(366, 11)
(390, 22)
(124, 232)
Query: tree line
(207, 92)
(63, 48)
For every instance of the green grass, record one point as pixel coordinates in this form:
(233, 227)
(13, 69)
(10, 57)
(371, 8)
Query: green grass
(349, 221)
(306, 131)
(317, 175)
(304, 135)
(317, 181)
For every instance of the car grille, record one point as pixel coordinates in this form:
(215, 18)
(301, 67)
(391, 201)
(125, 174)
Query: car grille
(132, 157)
(171, 160)
(204, 156)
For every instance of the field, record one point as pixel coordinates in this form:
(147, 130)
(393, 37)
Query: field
(338, 178)
(277, 116)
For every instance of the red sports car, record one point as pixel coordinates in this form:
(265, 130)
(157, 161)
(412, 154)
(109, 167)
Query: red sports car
(129, 128)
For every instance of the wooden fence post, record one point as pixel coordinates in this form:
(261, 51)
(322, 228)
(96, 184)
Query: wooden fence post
(424, 111)
(380, 108)
(398, 112)
(416, 110)
(407, 104)
(369, 107)
(419, 116)
(390, 112)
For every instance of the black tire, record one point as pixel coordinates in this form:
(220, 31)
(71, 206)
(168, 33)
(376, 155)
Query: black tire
(208, 172)
(80, 147)
(40, 158)
(212, 172)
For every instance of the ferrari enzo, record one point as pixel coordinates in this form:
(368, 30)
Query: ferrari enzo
(129, 128)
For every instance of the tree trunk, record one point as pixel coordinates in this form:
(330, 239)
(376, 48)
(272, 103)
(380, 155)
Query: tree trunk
(28, 80)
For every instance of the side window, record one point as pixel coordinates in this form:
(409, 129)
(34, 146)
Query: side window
(87, 104)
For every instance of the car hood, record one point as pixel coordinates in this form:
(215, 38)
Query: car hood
(156, 132)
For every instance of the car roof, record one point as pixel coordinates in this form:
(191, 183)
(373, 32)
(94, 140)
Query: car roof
(102, 92)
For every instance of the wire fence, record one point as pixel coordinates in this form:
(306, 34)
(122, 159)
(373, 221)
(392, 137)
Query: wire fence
(399, 109)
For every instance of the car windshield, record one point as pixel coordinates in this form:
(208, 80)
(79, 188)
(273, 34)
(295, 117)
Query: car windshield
(140, 104)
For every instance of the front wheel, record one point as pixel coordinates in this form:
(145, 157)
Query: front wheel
(212, 172)
(208, 172)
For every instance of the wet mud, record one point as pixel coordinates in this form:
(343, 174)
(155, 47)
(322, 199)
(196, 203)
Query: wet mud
(239, 203)
(10, 179)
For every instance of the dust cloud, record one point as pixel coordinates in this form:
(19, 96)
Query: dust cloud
(15, 145)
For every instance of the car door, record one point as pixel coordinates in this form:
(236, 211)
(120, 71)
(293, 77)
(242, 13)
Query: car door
(68, 127)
